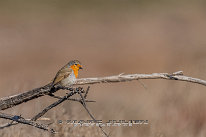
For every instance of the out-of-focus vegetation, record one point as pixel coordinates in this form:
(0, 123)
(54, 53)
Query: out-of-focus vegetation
(108, 37)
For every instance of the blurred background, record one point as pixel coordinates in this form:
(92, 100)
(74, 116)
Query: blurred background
(109, 37)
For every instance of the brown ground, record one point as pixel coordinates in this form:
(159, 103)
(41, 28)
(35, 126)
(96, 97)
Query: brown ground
(109, 38)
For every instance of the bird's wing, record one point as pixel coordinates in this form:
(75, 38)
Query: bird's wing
(61, 74)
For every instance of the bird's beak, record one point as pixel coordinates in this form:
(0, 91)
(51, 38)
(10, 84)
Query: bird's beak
(80, 67)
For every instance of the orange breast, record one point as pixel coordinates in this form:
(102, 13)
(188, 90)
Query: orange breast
(75, 69)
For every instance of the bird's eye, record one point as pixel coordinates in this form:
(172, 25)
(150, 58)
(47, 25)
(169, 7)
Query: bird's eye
(75, 64)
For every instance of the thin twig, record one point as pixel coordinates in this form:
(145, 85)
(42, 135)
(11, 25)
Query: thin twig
(95, 120)
(12, 123)
(27, 122)
(53, 105)
(84, 105)
(142, 83)
(61, 99)
(72, 99)
(87, 91)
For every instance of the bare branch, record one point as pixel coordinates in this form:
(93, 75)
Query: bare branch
(15, 119)
(25, 121)
(8, 124)
(8, 102)
(85, 107)
(86, 93)
(72, 99)
(53, 105)
(130, 77)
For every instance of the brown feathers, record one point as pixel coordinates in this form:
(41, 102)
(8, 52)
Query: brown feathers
(62, 74)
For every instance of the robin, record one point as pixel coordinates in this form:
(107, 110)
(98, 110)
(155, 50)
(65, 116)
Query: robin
(68, 74)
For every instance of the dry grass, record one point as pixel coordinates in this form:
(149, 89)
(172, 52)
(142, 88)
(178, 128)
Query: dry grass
(36, 39)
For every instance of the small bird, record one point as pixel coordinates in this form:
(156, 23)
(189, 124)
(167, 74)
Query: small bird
(68, 74)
